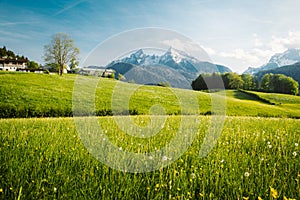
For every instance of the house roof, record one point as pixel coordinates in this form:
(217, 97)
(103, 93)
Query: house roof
(2, 60)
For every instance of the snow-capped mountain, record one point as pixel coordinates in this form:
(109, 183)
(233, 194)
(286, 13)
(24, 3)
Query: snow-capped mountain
(138, 58)
(177, 56)
(172, 66)
(289, 57)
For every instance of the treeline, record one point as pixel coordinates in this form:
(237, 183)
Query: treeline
(277, 83)
(8, 54)
(5, 53)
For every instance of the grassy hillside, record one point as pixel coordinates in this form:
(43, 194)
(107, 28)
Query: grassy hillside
(46, 159)
(242, 104)
(41, 95)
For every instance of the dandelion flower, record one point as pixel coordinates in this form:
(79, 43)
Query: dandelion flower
(296, 144)
(259, 198)
(193, 176)
(54, 189)
(270, 146)
(175, 172)
(247, 174)
(1, 190)
(268, 142)
(274, 193)
(294, 153)
(245, 198)
(164, 158)
(285, 198)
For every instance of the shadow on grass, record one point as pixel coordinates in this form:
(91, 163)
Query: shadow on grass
(245, 95)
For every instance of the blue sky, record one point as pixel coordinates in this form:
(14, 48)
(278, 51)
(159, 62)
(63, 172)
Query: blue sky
(234, 33)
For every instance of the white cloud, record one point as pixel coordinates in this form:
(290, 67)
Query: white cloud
(209, 51)
(182, 45)
(245, 56)
(257, 41)
(279, 44)
(190, 47)
(68, 7)
(258, 54)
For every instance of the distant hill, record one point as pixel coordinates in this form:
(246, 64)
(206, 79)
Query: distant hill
(289, 57)
(290, 70)
(175, 67)
(42, 95)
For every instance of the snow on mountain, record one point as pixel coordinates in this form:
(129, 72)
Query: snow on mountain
(174, 66)
(138, 58)
(172, 55)
(177, 56)
(289, 57)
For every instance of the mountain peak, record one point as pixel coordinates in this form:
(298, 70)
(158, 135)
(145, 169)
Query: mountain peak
(139, 53)
(288, 57)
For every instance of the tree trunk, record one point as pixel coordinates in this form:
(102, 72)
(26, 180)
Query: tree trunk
(61, 68)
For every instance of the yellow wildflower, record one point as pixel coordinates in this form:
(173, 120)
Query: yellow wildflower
(175, 172)
(259, 198)
(246, 198)
(274, 193)
(1, 190)
(285, 198)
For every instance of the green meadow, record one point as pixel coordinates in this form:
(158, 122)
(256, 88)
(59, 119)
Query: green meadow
(44, 152)
(41, 95)
(46, 159)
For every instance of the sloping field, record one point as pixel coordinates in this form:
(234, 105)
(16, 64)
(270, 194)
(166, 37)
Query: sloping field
(41, 95)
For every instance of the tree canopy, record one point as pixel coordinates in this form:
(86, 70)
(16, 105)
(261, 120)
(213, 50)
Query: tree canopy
(9, 54)
(61, 51)
(277, 83)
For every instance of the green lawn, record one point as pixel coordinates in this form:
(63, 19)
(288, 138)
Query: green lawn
(46, 159)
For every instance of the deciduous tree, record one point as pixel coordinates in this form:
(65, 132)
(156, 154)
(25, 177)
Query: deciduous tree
(60, 51)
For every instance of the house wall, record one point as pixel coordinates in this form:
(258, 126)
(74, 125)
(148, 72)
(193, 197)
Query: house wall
(12, 66)
(9, 69)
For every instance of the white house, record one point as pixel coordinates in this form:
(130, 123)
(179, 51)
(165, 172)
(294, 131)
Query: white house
(12, 65)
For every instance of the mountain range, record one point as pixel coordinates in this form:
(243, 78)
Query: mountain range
(289, 57)
(174, 67)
